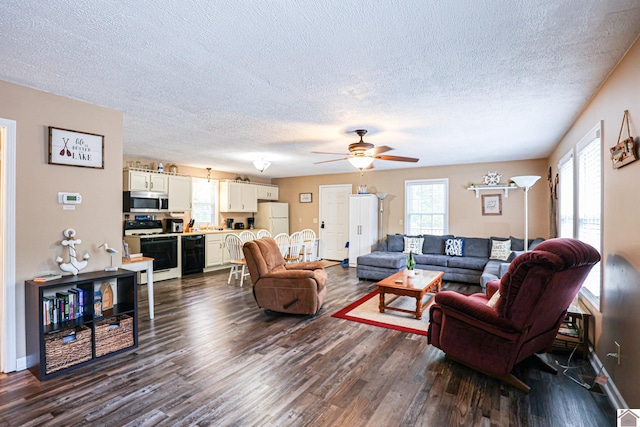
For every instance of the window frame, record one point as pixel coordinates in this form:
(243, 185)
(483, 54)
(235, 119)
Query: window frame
(594, 134)
(408, 213)
(563, 200)
(215, 200)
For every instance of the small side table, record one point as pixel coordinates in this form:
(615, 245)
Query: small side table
(142, 264)
(578, 318)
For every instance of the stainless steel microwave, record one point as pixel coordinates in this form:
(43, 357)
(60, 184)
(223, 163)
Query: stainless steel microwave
(145, 201)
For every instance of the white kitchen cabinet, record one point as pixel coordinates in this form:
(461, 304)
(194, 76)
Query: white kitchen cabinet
(179, 193)
(145, 181)
(214, 251)
(238, 197)
(363, 225)
(267, 192)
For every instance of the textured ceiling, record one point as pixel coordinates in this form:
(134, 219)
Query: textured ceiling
(220, 83)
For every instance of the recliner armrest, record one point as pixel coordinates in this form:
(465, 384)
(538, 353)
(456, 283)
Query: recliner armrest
(309, 265)
(289, 274)
(474, 311)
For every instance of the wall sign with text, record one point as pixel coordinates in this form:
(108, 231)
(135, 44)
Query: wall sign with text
(71, 148)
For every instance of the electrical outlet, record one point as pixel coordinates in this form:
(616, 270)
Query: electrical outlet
(315, 220)
(400, 222)
(299, 220)
(617, 351)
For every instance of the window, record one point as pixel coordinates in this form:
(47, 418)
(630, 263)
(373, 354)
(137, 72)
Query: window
(589, 203)
(565, 197)
(204, 201)
(426, 206)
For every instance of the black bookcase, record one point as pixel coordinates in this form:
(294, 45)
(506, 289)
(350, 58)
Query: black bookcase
(60, 336)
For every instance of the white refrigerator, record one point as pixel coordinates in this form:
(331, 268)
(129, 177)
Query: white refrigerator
(273, 216)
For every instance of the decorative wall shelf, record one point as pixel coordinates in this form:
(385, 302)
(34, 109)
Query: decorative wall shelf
(505, 187)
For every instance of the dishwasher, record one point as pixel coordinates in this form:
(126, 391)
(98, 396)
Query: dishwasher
(192, 254)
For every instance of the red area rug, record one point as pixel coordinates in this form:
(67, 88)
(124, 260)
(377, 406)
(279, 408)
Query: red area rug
(365, 310)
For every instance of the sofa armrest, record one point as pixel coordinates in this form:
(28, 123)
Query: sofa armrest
(382, 246)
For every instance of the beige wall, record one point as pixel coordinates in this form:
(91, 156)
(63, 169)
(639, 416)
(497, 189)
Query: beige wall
(465, 209)
(620, 296)
(40, 219)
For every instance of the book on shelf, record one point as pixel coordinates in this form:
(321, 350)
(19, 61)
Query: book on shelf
(47, 277)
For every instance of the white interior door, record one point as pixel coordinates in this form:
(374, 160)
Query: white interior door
(334, 221)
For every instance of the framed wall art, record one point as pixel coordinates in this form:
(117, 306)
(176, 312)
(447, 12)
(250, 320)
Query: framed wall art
(491, 204)
(305, 197)
(72, 148)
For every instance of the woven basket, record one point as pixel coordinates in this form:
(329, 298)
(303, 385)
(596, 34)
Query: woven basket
(60, 354)
(113, 334)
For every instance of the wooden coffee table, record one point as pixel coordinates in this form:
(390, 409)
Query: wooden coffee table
(401, 284)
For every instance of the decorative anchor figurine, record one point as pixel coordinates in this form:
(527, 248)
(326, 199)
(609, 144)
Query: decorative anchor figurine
(73, 266)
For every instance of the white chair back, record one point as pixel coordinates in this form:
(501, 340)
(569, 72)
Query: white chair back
(295, 247)
(263, 233)
(247, 236)
(233, 243)
(282, 240)
(309, 239)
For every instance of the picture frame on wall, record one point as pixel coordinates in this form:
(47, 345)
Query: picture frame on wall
(491, 204)
(72, 148)
(305, 197)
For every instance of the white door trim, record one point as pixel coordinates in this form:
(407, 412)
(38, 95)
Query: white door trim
(8, 224)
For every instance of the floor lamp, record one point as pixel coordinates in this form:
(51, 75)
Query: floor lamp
(526, 182)
(381, 197)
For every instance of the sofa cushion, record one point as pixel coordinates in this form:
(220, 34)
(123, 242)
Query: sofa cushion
(468, 262)
(476, 247)
(395, 242)
(413, 244)
(432, 259)
(454, 247)
(500, 250)
(517, 244)
(535, 243)
(434, 244)
(384, 259)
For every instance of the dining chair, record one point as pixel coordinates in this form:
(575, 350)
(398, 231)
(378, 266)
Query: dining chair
(309, 241)
(295, 247)
(263, 233)
(283, 243)
(247, 236)
(233, 243)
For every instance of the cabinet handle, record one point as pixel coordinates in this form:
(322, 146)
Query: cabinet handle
(146, 184)
(152, 185)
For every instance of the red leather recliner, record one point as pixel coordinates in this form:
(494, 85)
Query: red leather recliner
(534, 297)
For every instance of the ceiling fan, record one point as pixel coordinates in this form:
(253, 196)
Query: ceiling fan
(362, 154)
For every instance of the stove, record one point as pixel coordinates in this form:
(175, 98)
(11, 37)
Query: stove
(148, 238)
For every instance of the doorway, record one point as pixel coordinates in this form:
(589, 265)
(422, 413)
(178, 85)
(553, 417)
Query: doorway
(7, 246)
(334, 221)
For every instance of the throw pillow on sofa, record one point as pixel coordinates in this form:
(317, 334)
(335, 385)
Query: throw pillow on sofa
(500, 250)
(413, 244)
(395, 242)
(454, 247)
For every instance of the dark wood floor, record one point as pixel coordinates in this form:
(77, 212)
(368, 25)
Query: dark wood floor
(211, 357)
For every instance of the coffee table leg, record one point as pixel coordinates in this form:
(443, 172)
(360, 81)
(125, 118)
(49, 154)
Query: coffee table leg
(381, 292)
(419, 307)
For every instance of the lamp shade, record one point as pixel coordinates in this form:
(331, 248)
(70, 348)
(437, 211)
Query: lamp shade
(361, 162)
(261, 164)
(525, 181)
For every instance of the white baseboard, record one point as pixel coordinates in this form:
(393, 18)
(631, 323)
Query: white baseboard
(21, 364)
(610, 389)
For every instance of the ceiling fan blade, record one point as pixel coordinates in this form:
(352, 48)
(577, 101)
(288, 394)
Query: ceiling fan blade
(327, 161)
(398, 158)
(378, 150)
(325, 152)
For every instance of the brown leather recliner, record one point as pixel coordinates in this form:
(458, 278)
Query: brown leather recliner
(298, 288)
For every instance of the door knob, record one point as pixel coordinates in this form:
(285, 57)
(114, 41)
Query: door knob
(322, 224)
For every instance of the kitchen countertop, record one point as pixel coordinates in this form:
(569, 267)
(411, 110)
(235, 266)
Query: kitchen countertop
(224, 231)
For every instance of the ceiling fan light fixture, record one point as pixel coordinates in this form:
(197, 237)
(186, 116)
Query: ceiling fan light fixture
(261, 164)
(360, 162)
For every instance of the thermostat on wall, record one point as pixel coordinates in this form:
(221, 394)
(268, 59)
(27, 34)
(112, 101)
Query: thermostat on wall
(69, 198)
